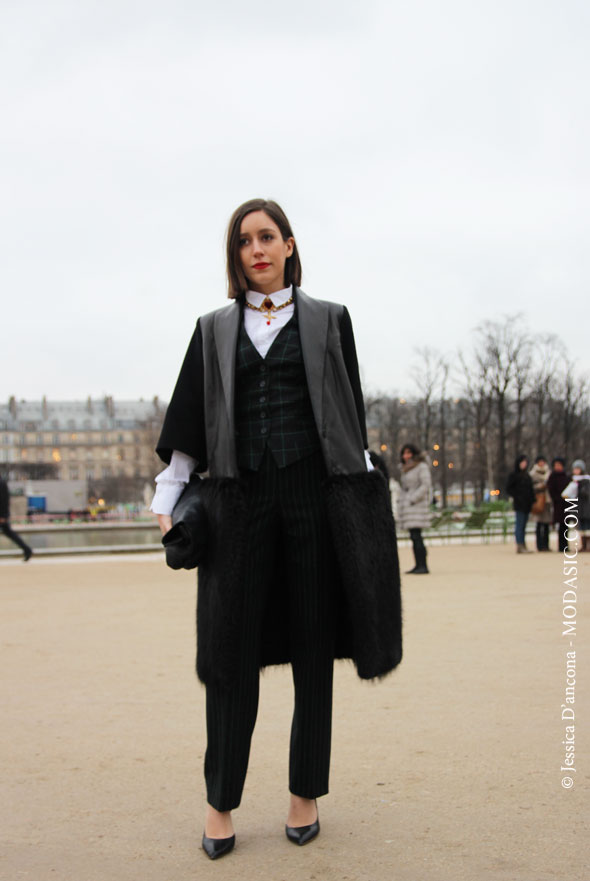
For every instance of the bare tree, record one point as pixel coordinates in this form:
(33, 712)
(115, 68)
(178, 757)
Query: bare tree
(426, 375)
(502, 344)
(550, 353)
(573, 400)
(443, 376)
(478, 396)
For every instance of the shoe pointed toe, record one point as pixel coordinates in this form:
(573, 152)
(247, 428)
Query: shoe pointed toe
(302, 834)
(217, 847)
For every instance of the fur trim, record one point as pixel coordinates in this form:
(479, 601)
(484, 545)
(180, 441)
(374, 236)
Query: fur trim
(220, 580)
(363, 531)
(368, 608)
(415, 460)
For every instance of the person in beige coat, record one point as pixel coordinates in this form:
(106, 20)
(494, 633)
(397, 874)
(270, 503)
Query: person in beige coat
(539, 475)
(414, 502)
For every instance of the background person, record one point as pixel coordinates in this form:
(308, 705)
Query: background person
(520, 486)
(556, 483)
(414, 502)
(579, 488)
(543, 517)
(5, 522)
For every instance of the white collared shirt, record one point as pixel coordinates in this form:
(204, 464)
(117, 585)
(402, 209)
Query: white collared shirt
(172, 480)
(261, 329)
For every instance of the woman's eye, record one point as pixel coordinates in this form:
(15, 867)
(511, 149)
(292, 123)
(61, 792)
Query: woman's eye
(268, 236)
(243, 242)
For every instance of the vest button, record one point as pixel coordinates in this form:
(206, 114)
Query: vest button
(262, 399)
(263, 414)
(262, 368)
(263, 430)
(262, 383)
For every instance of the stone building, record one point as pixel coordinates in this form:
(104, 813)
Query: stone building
(108, 443)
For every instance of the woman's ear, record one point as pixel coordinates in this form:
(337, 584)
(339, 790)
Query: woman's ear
(290, 243)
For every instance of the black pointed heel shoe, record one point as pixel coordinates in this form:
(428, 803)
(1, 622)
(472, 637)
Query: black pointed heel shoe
(217, 847)
(303, 834)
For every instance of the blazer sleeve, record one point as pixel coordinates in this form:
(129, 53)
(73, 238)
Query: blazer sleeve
(352, 368)
(184, 423)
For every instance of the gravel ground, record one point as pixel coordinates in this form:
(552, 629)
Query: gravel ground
(448, 770)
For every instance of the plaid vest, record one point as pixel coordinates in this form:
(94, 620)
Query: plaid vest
(273, 407)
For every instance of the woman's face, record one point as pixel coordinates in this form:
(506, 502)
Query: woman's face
(524, 464)
(263, 252)
(406, 454)
(576, 471)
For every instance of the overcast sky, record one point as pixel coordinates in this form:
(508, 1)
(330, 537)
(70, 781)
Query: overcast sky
(432, 158)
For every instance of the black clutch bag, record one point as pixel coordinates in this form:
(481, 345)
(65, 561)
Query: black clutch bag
(186, 542)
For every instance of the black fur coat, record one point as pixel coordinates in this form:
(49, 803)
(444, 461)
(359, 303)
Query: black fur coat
(368, 622)
(200, 423)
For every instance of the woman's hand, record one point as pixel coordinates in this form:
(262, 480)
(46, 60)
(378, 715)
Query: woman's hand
(165, 523)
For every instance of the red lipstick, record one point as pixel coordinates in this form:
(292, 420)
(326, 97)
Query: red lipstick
(261, 265)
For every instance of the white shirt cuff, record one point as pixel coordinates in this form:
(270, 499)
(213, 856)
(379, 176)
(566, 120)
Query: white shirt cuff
(165, 497)
(370, 466)
(171, 481)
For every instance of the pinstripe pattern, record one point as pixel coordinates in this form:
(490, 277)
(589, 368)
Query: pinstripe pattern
(286, 512)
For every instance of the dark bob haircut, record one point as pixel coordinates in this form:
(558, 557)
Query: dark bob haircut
(236, 279)
(413, 450)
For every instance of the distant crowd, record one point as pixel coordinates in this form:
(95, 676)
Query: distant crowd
(549, 495)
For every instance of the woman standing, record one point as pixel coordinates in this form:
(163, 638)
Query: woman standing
(414, 502)
(302, 563)
(556, 483)
(520, 487)
(579, 489)
(544, 516)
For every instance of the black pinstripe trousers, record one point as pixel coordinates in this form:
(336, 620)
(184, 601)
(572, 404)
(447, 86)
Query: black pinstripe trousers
(288, 533)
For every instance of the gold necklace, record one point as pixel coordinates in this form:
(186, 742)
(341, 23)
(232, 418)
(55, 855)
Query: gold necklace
(267, 306)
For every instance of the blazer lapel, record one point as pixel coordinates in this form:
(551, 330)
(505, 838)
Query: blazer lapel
(225, 331)
(312, 319)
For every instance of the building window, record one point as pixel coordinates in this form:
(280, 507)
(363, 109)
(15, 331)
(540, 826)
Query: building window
(73, 474)
(90, 474)
(106, 471)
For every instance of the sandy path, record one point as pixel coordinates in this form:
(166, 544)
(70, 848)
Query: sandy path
(449, 770)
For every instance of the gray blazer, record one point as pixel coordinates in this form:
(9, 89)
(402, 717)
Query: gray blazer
(200, 420)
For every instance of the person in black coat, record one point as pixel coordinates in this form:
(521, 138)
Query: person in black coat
(556, 483)
(301, 565)
(5, 521)
(520, 486)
